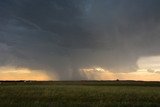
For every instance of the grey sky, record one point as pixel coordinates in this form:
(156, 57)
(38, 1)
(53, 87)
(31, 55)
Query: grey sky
(62, 36)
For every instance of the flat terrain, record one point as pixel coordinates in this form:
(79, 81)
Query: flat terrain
(79, 94)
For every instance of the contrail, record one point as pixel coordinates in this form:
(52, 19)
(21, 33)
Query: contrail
(28, 22)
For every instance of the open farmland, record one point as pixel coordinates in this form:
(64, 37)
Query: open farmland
(79, 94)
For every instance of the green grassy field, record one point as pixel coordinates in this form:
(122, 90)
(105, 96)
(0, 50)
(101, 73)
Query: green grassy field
(80, 94)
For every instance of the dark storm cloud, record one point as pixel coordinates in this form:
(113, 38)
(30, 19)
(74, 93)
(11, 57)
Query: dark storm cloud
(62, 36)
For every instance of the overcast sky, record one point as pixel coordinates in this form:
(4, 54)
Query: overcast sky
(65, 36)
